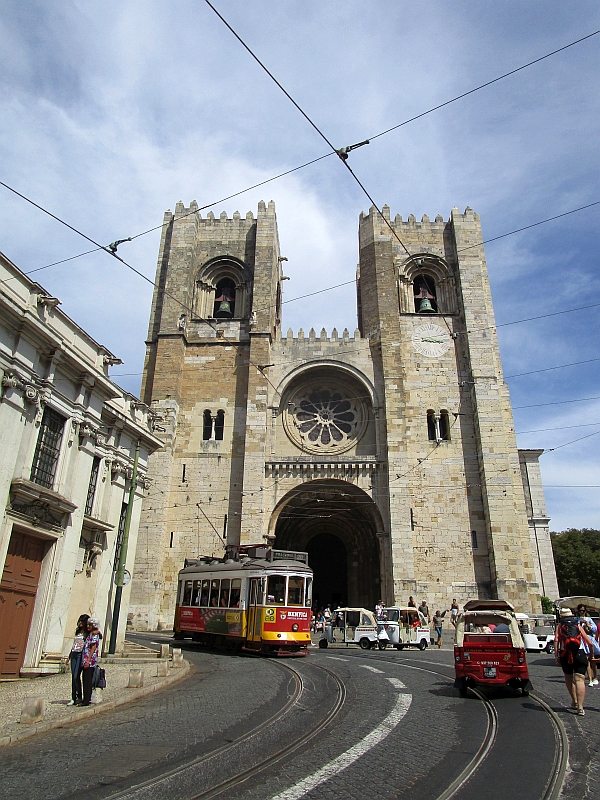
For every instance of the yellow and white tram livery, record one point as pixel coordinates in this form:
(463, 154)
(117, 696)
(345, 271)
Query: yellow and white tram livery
(260, 602)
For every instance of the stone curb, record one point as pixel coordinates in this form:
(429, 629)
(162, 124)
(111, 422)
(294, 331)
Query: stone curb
(86, 713)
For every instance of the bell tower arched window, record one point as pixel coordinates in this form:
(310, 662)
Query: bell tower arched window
(224, 299)
(426, 285)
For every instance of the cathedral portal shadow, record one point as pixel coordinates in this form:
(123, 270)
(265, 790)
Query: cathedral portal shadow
(337, 524)
(328, 559)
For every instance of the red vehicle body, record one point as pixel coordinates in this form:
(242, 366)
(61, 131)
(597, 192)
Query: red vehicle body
(483, 657)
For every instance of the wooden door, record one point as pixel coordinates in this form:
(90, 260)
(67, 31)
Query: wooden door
(17, 597)
(255, 609)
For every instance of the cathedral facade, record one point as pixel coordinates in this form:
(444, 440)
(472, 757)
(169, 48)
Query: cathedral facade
(389, 453)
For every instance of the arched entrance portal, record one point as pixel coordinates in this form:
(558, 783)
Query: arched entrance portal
(337, 524)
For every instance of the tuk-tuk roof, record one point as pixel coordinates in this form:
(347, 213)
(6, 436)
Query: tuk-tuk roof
(488, 605)
(402, 608)
(353, 609)
(592, 603)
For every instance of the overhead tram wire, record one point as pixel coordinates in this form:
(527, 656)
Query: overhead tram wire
(106, 250)
(376, 136)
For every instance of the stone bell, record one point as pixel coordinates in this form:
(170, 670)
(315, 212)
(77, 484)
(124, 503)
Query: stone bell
(425, 296)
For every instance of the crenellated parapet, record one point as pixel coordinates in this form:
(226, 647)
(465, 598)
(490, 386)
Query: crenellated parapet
(334, 338)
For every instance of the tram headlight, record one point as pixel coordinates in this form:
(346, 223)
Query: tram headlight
(295, 627)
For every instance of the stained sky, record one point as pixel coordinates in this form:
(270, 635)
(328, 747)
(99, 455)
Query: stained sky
(110, 113)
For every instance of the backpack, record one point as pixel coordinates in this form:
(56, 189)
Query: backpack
(570, 636)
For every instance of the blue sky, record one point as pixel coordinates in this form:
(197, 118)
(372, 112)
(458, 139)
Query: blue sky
(111, 113)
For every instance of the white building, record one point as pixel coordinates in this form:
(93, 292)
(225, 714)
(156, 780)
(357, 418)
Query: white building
(68, 436)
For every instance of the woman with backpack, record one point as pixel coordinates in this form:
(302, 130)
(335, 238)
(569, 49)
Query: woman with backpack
(569, 651)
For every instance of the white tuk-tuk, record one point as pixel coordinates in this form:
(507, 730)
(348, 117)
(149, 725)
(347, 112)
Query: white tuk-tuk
(405, 627)
(355, 626)
(537, 632)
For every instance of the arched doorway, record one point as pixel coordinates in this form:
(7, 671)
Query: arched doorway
(337, 524)
(328, 559)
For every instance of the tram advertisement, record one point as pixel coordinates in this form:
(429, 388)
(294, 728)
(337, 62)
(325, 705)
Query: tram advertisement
(286, 619)
(212, 620)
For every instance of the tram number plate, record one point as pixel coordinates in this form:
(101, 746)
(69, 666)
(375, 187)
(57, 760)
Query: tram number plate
(489, 672)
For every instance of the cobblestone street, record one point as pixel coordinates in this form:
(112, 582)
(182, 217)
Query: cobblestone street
(198, 733)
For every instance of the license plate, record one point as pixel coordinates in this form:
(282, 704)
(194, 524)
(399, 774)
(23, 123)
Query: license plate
(489, 672)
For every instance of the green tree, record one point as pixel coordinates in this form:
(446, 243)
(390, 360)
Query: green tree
(577, 559)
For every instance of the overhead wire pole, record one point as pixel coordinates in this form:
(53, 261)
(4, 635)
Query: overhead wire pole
(120, 571)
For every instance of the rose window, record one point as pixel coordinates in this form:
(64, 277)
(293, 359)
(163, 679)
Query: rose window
(325, 420)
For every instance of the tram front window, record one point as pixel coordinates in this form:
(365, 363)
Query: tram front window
(295, 590)
(187, 594)
(276, 590)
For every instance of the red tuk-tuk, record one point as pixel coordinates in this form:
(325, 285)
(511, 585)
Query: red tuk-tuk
(488, 647)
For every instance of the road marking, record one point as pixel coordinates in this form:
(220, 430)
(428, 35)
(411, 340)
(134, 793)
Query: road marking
(372, 669)
(337, 658)
(397, 683)
(348, 758)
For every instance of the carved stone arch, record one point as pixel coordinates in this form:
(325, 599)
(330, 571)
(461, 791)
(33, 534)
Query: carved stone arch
(222, 270)
(439, 278)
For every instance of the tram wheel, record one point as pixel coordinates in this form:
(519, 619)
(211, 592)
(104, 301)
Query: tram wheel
(463, 688)
(365, 644)
(525, 692)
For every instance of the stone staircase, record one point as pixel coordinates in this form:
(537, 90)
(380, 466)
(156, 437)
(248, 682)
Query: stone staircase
(132, 652)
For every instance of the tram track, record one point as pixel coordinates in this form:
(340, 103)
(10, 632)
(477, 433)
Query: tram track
(143, 790)
(553, 787)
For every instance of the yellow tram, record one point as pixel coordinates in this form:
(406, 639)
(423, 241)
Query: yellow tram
(259, 601)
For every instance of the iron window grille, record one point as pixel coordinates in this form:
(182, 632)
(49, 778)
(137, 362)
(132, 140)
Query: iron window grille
(47, 449)
(89, 503)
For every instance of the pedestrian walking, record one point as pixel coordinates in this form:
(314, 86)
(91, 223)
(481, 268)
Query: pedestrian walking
(592, 650)
(74, 660)
(411, 602)
(438, 622)
(91, 648)
(570, 654)
(454, 612)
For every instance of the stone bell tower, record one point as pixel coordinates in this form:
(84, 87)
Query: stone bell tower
(215, 312)
(458, 522)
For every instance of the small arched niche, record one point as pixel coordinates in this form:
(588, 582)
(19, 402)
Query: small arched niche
(426, 285)
(223, 289)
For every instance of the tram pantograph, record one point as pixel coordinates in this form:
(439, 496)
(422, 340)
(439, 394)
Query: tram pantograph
(259, 601)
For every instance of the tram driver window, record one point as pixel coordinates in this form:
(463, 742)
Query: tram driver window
(236, 586)
(276, 590)
(308, 600)
(187, 594)
(295, 590)
(224, 601)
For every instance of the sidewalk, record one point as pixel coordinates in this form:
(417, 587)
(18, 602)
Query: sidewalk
(56, 692)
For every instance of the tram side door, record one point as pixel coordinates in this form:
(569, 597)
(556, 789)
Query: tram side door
(255, 609)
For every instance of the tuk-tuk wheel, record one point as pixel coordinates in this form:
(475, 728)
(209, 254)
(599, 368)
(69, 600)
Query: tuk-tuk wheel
(550, 647)
(322, 643)
(365, 644)
(422, 644)
(382, 645)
